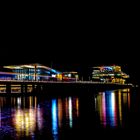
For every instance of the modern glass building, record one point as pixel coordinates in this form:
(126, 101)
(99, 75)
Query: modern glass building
(30, 72)
(111, 74)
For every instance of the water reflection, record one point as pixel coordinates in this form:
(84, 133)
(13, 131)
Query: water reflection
(70, 112)
(54, 119)
(60, 112)
(110, 106)
(24, 121)
(30, 116)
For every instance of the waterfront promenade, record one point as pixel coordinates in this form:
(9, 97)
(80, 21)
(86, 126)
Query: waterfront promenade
(20, 86)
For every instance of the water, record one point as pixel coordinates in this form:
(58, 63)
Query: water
(93, 114)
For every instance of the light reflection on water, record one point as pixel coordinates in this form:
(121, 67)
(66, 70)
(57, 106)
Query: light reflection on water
(28, 115)
(54, 119)
(32, 117)
(110, 106)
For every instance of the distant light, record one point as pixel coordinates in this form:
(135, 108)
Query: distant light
(53, 70)
(53, 75)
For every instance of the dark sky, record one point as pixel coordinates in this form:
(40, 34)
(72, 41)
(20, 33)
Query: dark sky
(70, 41)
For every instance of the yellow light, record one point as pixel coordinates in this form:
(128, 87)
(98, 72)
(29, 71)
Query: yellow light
(120, 107)
(77, 107)
(13, 67)
(60, 112)
(27, 66)
(25, 121)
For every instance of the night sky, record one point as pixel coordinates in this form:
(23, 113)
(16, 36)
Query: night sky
(74, 41)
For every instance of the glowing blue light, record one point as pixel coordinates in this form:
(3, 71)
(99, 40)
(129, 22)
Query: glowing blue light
(112, 109)
(54, 119)
(53, 70)
(47, 72)
(108, 68)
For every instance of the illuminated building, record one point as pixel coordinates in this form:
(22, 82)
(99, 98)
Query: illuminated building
(35, 72)
(70, 76)
(107, 74)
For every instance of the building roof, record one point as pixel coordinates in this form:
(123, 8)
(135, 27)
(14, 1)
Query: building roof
(37, 65)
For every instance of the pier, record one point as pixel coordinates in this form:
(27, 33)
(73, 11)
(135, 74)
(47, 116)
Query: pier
(25, 87)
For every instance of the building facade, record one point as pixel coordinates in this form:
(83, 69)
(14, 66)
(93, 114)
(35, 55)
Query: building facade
(112, 74)
(30, 72)
(70, 76)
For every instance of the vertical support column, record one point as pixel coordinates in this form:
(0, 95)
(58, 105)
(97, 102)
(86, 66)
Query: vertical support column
(33, 87)
(25, 88)
(22, 88)
(8, 88)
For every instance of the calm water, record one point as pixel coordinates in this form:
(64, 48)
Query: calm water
(93, 114)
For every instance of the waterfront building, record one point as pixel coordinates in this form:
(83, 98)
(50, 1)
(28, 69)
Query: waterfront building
(30, 72)
(70, 76)
(107, 74)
